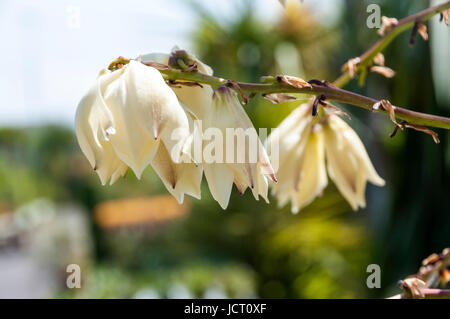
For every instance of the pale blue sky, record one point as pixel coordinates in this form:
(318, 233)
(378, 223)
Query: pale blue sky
(50, 55)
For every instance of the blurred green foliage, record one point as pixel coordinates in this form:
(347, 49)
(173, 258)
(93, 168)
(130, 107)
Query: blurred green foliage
(254, 249)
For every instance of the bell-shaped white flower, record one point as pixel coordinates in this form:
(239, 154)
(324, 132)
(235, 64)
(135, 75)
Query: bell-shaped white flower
(126, 119)
(243, 159)
(145, 112)
(301, 159)
(305, 142)
(349, 166)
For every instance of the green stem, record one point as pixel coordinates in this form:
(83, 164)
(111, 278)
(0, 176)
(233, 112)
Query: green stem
(403, 25)
(331, 92)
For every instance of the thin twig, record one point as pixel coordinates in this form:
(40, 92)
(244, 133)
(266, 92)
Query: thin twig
(407, 23)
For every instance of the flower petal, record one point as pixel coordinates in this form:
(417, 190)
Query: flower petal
(313, 176)
(349, 165)
(144, 109)
(286, 144)
(92, 121)
(220, 182)
(179, 178)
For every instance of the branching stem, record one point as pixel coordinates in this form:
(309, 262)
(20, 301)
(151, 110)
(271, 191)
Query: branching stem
(403, 25)
(331, 92)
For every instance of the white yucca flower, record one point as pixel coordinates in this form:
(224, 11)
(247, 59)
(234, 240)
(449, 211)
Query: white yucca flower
(348, 164)
(249, 165)
(127, 119)
(222, 110)
(304, 143)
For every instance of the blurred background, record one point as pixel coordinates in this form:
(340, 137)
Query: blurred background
(132, 240)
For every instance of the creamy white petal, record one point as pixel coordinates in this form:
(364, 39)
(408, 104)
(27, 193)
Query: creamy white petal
(92, 120)
(285, 174)
(291, 136)
(220, 181)
(348, 164)
(144, 109)
(110, 168)
(262, 185)
(199, 101)
(154, 105)
(358, 148)
(232, 115)
(249, 169)
(86, 125)
(179, 178)
(189, 179)
(292, 129)
(302, 174)
(119, 172)
(313, 175)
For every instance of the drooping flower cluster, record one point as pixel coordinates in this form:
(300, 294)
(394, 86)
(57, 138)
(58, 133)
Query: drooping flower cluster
(309, 146)
(131, 118)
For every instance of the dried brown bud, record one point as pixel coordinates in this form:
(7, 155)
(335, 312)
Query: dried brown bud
(383, 70)
(422, 29)
(430, 259)
(293, 81)
(387, 106)
(387, 25)
(351, 66)
(444, 16)
(412, 287)
(379, 59)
